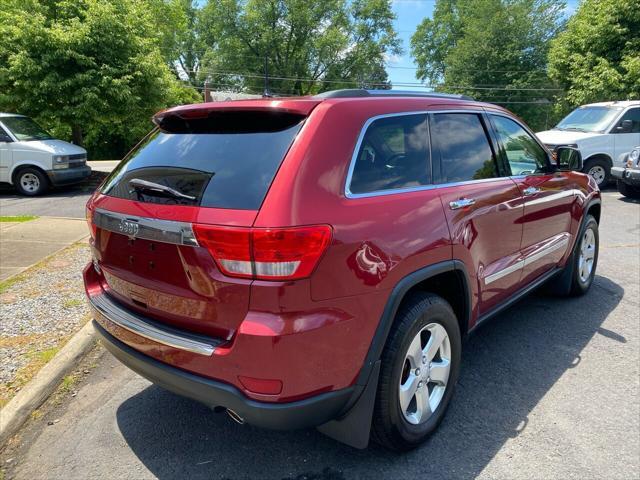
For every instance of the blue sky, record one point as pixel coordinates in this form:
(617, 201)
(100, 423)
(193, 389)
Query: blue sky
(409, 14)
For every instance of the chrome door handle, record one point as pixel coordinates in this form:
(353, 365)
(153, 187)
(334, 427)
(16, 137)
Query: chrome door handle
(463, 202)
(530, 191)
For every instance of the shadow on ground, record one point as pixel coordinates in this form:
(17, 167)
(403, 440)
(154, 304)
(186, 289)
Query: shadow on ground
(508, 366)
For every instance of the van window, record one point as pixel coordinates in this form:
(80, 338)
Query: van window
(393, 154)
(465, 153)
(222, 170)
(524, 154)
(632, 114)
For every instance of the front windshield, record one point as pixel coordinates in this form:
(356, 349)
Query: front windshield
(25, 129)
(589, 119)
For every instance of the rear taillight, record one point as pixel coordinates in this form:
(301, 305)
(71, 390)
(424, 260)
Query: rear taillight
(92, 226)
(265, 253)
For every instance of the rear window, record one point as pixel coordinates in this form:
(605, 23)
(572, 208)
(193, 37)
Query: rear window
(214, 162)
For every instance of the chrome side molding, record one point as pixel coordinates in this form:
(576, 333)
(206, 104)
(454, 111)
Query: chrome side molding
(562, 242)
(159, 334)
(133, 226)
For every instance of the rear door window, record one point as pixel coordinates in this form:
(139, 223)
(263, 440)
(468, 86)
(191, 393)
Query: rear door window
(205, 165)
(393, 154)
(462, 143)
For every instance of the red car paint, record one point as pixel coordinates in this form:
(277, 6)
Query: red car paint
(293, 339)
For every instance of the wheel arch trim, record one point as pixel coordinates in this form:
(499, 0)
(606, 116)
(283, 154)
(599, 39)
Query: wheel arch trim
(396, 296)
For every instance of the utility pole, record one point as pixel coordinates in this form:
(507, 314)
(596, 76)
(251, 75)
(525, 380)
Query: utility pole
(266, 92)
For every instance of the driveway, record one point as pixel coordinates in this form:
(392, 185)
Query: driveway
(549, 389)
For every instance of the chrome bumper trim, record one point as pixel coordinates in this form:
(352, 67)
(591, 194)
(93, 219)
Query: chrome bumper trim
(138, 325)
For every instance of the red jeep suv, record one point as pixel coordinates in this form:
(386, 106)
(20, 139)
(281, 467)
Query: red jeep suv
(317, 261)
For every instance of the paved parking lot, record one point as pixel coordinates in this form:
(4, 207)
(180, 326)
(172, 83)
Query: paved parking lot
(549, 389)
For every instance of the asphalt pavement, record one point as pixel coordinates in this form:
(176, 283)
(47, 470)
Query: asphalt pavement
(548, 389)
(66, 201)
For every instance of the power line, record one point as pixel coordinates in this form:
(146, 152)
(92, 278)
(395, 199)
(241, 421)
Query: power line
(388, 63)
(378, 82)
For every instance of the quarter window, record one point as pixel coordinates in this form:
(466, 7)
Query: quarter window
(464, 148)
(393, 154)
(524, 154)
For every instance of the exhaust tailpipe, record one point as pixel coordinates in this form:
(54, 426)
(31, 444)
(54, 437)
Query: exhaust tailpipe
(235, 417)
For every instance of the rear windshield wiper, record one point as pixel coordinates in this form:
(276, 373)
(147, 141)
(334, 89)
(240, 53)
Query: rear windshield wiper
(145, 186)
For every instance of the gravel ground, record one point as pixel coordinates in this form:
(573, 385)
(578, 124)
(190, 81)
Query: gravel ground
(38, 312)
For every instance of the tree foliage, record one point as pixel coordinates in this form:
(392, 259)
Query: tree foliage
(597, 57)
(85, 67)
(308, 46)
(492, 50)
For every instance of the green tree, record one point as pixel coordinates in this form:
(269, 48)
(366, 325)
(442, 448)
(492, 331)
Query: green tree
(85, 66)
(181, 35)
(492, 50)
(598, 56)
(309, 46)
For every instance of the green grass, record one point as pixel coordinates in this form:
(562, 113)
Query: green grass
(72, 302)
(67, 383)
(5, 284)
(45, 355)
(17, 218)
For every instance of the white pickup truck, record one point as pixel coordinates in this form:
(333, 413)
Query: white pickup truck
(603, 132)
(32, 160)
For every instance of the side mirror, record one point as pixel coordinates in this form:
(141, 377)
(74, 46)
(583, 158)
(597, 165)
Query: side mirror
(568, 159)
(4, 138)
(625, 126)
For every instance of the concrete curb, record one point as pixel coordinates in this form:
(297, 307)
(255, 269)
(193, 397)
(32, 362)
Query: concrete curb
(18, 410)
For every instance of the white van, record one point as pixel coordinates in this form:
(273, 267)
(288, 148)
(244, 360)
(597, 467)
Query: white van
(32, 160)
(603, 132)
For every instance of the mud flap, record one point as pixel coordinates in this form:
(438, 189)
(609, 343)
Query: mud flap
(354, 427)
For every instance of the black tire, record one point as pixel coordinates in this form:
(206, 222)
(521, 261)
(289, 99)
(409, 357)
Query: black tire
(597, 163)
(31, 182)
(578, 285)
(390, 428)
(627, 190)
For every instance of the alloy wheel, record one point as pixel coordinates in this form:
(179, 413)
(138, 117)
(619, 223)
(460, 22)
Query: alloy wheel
(587, 255)
(425, 373)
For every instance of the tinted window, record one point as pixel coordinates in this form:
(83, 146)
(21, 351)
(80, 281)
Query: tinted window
(464, 147)
(633, 115)
(223, 170)
(523, 152)
(394, 153)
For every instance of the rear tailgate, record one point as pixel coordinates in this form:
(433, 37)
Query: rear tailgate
(213, 168)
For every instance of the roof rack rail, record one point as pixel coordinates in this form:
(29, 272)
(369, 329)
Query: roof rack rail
(361, 92)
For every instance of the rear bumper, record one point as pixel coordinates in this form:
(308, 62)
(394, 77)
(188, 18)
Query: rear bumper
(69, 175)
(627, 175)
(310, 412)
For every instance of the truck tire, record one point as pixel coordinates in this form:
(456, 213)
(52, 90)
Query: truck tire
(627, 190)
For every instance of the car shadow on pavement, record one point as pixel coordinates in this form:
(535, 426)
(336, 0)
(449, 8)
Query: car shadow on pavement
(508, 366)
